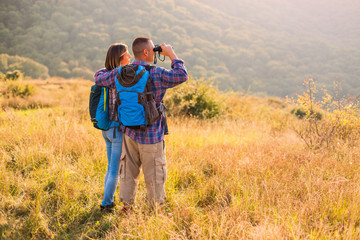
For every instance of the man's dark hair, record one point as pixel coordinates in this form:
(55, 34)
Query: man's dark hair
(139, 44)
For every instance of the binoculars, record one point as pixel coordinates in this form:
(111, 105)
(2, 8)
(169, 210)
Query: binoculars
(157, 48)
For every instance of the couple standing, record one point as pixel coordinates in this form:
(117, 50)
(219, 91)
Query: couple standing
(137, 148)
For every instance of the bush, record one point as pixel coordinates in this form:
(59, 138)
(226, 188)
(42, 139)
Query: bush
(338, 123)
(301, 113)
(17, 89)
(14, 76)
(194, 98)
(11, 76)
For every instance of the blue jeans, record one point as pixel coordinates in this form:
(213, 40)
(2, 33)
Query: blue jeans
(113, 148)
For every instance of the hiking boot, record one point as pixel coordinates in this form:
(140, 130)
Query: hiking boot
(107, 208)
(126, 210)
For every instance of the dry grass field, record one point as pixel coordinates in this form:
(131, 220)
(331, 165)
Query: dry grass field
(246, 175)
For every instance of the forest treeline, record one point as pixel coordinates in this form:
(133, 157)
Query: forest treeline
(70, 38)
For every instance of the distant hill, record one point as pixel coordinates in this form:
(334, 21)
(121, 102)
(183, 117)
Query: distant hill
(261, 46)
(27, 66)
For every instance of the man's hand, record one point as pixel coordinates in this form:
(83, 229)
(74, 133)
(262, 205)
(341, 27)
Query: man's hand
(168, 51)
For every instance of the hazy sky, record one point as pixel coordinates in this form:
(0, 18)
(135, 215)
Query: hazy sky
(338, 19)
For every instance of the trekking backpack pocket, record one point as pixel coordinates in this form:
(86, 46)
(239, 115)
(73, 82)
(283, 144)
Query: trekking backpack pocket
(151, 111)
(132, 114)
(98, 107)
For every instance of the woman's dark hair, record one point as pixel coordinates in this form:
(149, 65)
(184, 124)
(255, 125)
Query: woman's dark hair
(114, 55)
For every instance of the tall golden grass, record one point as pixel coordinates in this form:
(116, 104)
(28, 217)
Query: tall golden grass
(244, 176)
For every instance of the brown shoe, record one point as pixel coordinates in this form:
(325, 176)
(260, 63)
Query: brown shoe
(108, 208)
(126, 210)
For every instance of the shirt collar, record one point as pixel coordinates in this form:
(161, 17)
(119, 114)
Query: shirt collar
(137, 62)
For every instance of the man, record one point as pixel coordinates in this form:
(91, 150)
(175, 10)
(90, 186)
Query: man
(146, 148)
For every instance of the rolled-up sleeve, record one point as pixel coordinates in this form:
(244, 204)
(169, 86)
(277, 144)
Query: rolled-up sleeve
(106, 78)
(175, 76)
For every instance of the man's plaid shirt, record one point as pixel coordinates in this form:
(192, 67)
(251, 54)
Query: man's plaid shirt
(162, 79)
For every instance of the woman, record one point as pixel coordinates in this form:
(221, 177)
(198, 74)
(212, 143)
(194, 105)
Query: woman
(117, 55)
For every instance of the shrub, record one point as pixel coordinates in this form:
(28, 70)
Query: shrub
(339, 120)
(19, 95)
(11, 76)
(17, 89)
(194, 98)
(301, 113)
(14, 76)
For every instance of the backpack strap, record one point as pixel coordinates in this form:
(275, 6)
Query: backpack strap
(148, 86)
(149, 67)
(161, 108)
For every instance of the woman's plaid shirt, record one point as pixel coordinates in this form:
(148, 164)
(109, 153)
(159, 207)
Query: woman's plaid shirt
(162, 79)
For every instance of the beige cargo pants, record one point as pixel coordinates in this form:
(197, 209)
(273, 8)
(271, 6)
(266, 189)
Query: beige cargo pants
(151, 157)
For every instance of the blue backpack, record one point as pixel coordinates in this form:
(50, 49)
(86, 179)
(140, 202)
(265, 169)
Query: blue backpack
(137, 106)
(99, 108)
